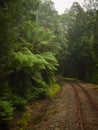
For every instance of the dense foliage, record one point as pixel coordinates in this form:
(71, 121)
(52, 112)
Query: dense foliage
(27, 52)
(82, 34)
(34, 39)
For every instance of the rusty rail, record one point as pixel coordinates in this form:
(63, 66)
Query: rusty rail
(79, 111)
(91, 101)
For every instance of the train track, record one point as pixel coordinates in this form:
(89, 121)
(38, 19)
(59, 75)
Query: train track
(86, 106)
(75, 108)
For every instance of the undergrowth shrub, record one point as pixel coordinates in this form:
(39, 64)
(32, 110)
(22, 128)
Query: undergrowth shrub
(94, 78)
(39, 93)
(6, 111)
(25, 119)
(18, 102)
(53, 89)
(40, 89)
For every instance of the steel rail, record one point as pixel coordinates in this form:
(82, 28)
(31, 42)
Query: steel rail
(79, 111)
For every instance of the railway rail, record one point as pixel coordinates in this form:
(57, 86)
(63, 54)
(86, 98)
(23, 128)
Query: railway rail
(85, 104)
